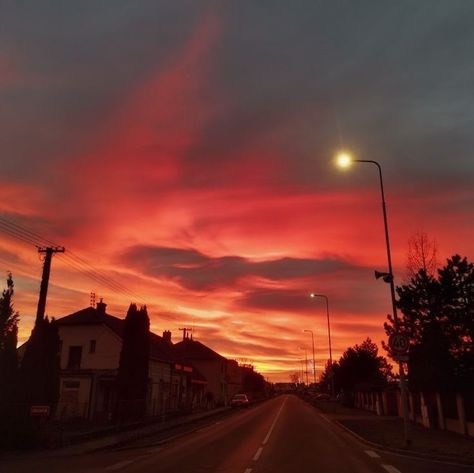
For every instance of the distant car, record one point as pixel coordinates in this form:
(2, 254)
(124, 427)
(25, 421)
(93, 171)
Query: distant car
(239, 400)
(323, 397)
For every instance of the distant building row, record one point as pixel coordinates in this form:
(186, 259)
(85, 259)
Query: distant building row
(183, 376)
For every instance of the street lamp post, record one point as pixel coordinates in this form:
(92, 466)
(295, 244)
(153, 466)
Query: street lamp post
(314, 361)
(306, 363)
(302, 371)
(323, 296)
(344, 160)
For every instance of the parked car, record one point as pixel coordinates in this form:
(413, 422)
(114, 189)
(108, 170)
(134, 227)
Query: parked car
(239, 400)
(323, 397)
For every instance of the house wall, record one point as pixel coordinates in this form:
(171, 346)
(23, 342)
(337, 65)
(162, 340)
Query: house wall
(107, 349)
(160, 377)
(233, 378)
(74, 397)
(214, 371)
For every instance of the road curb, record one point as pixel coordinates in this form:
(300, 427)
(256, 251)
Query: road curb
(445, 459)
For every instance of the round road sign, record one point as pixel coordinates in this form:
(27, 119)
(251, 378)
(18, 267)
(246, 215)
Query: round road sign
(398, 342)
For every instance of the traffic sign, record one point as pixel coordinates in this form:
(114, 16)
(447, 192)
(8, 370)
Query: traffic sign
(398, 343)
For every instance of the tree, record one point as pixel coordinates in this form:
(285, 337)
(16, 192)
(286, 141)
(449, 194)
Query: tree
(294, 378)
(8, 358)
(456, 280)
(253, 383)
(438, 317)
(359, 368)
(132, 379)
(422, 254)
(40, 365)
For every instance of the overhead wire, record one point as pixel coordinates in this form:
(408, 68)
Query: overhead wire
(19, 236)
(28, 232)
(69, 258)
(96, 275)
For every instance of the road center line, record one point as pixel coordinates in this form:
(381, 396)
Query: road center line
(372, 454)
(257, 455)
(274, 423)
(390, 469)
(118, 466)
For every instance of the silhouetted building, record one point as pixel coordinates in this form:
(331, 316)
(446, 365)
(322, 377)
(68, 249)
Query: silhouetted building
(222, 375)
(91, 341)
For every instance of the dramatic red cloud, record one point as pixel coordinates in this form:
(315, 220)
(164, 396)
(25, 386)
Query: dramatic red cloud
(211, 231)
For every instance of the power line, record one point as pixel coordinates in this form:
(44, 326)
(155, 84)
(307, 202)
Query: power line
(19, 236)
(34, 235)
(70, 258)
(97, 277)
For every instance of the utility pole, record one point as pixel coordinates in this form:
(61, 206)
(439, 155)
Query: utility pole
(186, 330)
(306, 365)
(314, 360)
(48, 252)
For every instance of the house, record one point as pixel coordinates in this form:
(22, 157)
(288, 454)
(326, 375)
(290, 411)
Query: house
(90, 346)
(222, 375)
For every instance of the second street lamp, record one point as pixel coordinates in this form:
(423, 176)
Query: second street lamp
(323, 296)
(344, 160)
(314, 361)
(306, 364)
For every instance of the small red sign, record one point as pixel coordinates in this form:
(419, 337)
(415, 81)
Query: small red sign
(39, 411)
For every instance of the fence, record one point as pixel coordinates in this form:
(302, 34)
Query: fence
(444, 411)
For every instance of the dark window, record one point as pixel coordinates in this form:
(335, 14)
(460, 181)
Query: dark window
(92, 346)
(71, 384)
(75, 355)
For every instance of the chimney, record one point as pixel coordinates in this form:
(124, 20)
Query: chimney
(101, 306)
(167, 337)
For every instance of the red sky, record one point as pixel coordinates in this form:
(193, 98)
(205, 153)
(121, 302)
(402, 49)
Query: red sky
(188, 155)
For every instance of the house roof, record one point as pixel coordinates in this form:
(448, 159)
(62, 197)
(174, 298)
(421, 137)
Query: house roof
(159, 349)
(91, 316)
(190, 349)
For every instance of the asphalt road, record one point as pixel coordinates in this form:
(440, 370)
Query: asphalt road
(284, 435)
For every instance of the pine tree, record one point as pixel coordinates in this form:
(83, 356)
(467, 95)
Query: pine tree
(438, 318)
(8, 356)
(40, 365)
(456, 280)
(360, 367)
(132, 379)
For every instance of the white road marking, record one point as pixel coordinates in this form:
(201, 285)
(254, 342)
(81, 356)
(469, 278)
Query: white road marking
(118, 466)
(390, 469)
(248, 470)
(274, 423)
(372, 454)
(257, 455)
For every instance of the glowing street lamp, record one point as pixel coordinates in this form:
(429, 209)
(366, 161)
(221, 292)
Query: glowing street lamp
(344, 160)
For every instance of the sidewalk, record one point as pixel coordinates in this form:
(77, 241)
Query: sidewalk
(387, 432)
(85, 442)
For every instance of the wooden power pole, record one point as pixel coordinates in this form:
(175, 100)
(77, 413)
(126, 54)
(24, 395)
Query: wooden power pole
(48, 252)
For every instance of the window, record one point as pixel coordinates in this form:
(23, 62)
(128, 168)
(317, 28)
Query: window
(71, 384)
(74, 360)
(70, 391)
(92, 345)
